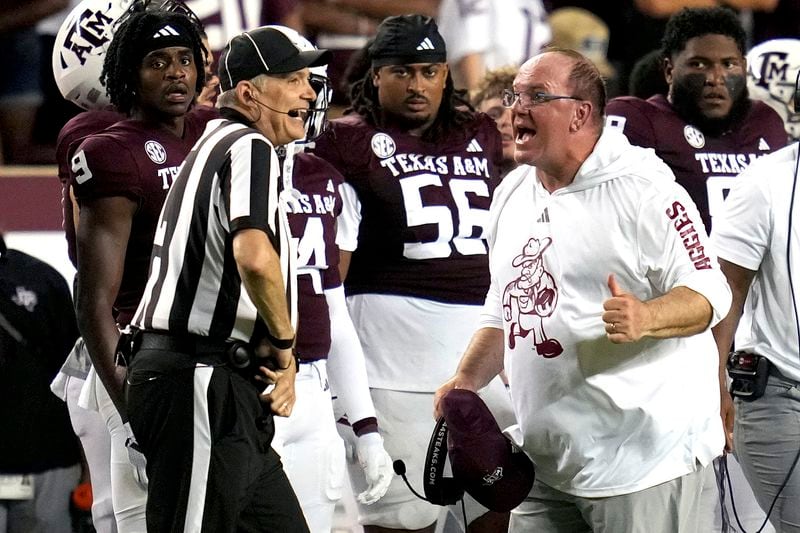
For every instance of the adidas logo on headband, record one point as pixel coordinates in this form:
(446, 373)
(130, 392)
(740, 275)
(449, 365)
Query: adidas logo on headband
(426, 44)
(166, 31)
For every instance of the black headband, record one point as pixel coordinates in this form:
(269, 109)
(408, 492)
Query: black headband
(165, 36)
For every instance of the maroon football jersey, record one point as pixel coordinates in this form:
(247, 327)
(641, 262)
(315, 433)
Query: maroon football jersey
(78, 127)
(703, 164)
(312, 218)
(135, 160)
(424, 207)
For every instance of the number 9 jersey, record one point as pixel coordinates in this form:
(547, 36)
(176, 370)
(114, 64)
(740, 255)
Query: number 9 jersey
(415, 212)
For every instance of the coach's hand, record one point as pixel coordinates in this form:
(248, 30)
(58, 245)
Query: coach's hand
(377, 467)
(459, 381)
(625, 315)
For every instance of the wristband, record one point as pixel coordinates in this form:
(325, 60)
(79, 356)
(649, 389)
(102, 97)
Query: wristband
(281, 344)
(365, 425)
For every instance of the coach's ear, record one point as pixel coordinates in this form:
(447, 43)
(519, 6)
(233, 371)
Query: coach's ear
(582, 113)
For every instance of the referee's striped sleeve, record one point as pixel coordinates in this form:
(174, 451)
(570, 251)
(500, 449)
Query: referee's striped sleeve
(250, 176)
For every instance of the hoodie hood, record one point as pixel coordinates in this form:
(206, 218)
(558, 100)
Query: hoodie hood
(614, 157)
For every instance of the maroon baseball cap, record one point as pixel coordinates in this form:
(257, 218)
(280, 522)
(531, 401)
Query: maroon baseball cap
(483, 460)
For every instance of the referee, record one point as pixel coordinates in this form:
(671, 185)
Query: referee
(216, 309)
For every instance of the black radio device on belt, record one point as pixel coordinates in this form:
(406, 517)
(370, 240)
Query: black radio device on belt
(240, 355)
(748, 372)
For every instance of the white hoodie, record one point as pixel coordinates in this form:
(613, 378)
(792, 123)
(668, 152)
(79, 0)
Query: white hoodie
(601, 419)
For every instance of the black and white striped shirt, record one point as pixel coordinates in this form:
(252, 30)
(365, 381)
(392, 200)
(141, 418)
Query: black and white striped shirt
(230, 181)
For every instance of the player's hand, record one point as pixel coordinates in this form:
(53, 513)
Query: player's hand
(279, 393)
(625, 316)
(727, 412)
(135, 457)
(377, 467)
(116, 391)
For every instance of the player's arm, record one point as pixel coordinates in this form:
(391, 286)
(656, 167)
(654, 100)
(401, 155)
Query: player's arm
(739, 279)
(348, 374)
(481, 362)
(385, 8)
(16, 15)
(347, 226)
(344, 263)
(346, 366)
(324, 16)
(665, 8)
(260, 270)
(102, 238)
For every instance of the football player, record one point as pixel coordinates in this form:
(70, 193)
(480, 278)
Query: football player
(420, 173)
(120, 176)
(707, 130)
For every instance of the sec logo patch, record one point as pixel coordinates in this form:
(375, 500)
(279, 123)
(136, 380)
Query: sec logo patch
(155, 152)
(694, 137)
(382, 145)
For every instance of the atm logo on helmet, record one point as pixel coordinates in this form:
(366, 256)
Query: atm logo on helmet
(88, 35)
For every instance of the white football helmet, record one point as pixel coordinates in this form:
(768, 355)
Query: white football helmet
(772, 69)
(317, 120)
(80, 48)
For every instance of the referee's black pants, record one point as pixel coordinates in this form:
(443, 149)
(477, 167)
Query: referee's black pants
(206, 437)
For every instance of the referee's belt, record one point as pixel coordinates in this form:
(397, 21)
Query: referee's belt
(239, 354)
(186, 343)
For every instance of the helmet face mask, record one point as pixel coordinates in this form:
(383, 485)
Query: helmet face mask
(317, 119)
(772, 70)
(80, 49)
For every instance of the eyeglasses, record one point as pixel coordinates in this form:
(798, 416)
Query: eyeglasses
(528, 100)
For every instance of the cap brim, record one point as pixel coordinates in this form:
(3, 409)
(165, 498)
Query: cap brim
(311, 58)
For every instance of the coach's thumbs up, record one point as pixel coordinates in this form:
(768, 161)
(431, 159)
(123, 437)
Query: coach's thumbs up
(623, 314)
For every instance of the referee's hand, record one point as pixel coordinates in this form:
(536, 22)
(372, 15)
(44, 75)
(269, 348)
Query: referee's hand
(279, 394)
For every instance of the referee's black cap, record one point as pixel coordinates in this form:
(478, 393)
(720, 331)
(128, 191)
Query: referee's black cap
(264, 51)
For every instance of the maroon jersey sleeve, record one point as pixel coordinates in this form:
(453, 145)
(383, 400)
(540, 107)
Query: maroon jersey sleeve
(423, 208)
(631, 115)
(312, 218)
(70, 136)
(102, 167)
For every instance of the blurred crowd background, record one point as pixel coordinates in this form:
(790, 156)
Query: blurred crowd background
(480, 34)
